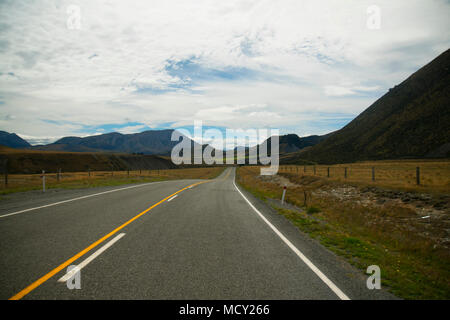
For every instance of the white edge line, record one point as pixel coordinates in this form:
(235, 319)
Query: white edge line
(79, 198)
(171, 198)
(85, 262)
(308, 262)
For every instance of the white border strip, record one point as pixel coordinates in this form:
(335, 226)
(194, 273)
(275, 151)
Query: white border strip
(79, 198)
(85, 262)
(308, 262)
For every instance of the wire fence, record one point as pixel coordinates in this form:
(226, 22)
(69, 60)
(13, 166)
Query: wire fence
(12, 181)
(404, 174)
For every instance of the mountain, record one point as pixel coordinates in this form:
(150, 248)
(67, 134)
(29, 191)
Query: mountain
(412, 120)
(292, 143)
(147, 142)
(26, 161)
(12, 140)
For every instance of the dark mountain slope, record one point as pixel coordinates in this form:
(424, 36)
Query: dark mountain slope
(12, 140)
(147, 142)
(412, 120)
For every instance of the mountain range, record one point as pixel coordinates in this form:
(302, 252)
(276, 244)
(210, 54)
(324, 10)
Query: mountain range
(412, 120)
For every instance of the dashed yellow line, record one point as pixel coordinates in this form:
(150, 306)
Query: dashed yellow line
(44, 278)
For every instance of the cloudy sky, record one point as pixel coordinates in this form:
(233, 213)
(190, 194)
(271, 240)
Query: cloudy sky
(306, 67)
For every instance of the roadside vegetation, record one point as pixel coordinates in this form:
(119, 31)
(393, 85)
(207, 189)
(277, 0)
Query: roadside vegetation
(370, 225)
(76, 180)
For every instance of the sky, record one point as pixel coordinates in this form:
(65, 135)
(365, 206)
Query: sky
(79, 68)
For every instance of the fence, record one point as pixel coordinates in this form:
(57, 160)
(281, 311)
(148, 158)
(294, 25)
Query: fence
(405, 174)
(12, 181)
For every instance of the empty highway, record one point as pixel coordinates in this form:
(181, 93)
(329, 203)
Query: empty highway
(184, 239)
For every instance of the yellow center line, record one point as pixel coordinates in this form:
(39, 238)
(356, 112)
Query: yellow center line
(41, 280)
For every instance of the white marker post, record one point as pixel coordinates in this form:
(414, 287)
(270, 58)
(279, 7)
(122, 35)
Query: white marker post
(43, 180)
(284, 193)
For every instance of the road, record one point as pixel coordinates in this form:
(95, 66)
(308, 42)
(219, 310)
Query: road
(184, 239)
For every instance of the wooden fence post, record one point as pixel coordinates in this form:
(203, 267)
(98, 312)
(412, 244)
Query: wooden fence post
(43, 180)
(5, 171)
(89, 172)
(328, 172)
(345, 174)
(418, 175)
(373, 173)
(314, 170)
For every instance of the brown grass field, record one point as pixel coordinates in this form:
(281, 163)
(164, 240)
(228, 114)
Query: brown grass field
(24, 182)
(434, 174)
(391, 222)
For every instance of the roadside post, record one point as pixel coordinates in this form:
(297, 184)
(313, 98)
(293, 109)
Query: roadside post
(284, 194)
(43, 180)
(418, 175)
(5, 171)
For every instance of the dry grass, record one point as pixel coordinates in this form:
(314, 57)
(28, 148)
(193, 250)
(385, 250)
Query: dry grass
(23, 182)
(413, 265)
(434, 175)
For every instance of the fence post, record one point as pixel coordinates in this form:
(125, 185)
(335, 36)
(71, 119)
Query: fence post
(345, 174)
(128, 172)
(43, 180)
(418, 175)
(58, 174)
(6, 172)
(373, 173)
(112, 171)
(314, 170)
(89, 172)
(284, 194)
(328, 172)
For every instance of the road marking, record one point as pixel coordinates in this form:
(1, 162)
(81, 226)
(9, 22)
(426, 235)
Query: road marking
(308, 262)
(85, 262)
(44, 278)
(172, 198)
(79, 198)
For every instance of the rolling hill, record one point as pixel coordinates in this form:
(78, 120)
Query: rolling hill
(412, 120)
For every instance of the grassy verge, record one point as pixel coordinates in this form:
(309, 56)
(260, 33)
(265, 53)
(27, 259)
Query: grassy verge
(412, 267)
(80, 181)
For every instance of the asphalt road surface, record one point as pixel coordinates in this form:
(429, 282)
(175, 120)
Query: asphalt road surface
(184, 239)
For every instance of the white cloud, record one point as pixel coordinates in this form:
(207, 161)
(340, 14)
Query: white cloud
(254, 63)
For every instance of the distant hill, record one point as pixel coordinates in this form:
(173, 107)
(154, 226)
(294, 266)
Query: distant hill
(412, 120)
(12, 140)
(34, 161)
(292, 143)
(147, 142)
